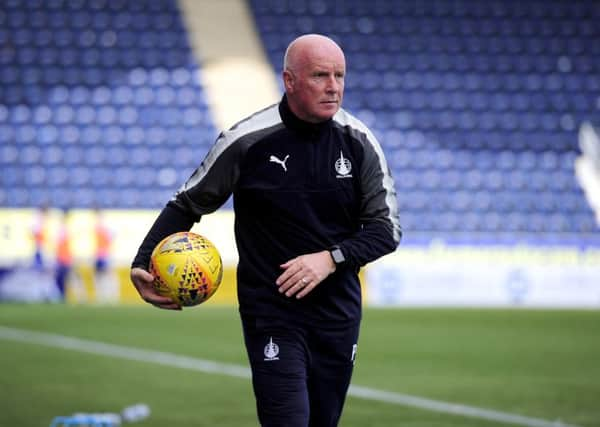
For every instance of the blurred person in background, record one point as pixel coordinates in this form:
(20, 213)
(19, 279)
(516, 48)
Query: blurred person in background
(314, 201)
(64, 255)
(39, 233)
(106, 285)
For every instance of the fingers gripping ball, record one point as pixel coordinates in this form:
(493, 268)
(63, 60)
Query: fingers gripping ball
(186, 267)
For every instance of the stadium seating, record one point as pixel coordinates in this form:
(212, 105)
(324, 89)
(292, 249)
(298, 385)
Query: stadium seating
(477, 104)
(100, 104)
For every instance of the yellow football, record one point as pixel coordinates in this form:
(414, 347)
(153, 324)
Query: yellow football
(186, 267)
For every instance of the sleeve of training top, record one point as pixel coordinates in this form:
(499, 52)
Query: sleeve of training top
(212, 183)
(380, 231)
(171, 220)
(204, 192)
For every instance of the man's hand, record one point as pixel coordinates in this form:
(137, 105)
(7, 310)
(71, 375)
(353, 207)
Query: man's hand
(302, 274)
(142, 281)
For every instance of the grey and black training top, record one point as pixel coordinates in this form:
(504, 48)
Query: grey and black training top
(297, 188)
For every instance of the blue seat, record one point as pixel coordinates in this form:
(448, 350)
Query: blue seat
(18, 196)
(72, 156)
(11, 176)
(90, 134)
(101, 177)
(113, 135)
(57, 176)
(80, 177)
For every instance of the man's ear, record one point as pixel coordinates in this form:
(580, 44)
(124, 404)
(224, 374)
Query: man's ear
(288, 81)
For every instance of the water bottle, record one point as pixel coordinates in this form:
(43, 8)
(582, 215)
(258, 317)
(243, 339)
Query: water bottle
(135, 413)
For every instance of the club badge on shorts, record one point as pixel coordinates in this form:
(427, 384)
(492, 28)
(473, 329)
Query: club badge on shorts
(271, 351)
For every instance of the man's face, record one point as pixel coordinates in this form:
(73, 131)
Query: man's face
(315, 88)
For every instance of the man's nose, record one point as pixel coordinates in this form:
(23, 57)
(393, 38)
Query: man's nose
(333, 85)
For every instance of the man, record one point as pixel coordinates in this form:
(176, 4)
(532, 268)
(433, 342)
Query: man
(40, 235)
(64, 254)
(106, 286)
(314, 201)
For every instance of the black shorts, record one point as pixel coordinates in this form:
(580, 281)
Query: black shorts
(300, 374)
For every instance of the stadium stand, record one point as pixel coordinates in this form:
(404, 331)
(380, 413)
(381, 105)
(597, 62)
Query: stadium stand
(100, 104)
(477, 104)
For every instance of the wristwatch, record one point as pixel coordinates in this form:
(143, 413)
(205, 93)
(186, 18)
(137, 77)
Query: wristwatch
(337, 255)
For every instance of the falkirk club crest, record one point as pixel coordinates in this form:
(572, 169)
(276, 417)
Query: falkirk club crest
(343, 167)
(271, 350)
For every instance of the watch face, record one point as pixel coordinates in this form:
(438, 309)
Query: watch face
(338, 256)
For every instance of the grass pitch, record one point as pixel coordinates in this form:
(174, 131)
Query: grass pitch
(536, 363)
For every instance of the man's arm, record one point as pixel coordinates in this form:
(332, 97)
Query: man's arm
(171, 220)
(380, 231)
(204, 192)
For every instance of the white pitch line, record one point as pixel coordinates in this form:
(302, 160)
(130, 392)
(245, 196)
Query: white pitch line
(211, 367)
(452, 408)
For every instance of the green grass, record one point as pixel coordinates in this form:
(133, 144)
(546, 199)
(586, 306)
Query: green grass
(537, 363)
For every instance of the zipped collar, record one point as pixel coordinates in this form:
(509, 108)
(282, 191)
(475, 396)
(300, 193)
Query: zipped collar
(293, 122)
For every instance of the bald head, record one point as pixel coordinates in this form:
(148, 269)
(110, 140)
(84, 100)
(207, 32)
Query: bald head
(314, 68)
(309, 45)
